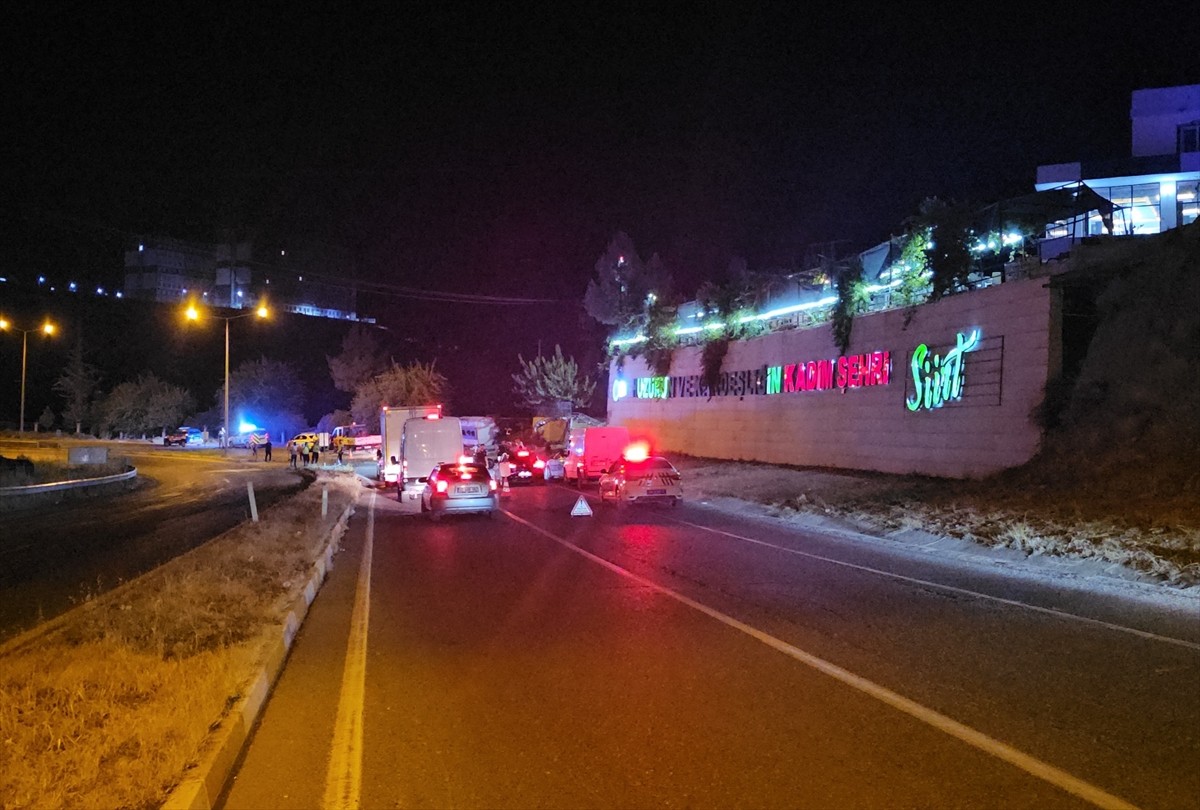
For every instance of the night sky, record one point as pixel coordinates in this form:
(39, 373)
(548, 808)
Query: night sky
(496, 150)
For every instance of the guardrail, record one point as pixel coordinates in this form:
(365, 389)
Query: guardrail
(16, 496)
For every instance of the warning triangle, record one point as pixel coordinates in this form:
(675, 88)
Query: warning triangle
(581, 508)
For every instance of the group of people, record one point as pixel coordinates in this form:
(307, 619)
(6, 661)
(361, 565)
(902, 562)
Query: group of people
(307, 452)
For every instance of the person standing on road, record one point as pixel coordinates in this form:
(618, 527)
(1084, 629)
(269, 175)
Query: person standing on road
(292, 455)
(254, 447)
(267, 448)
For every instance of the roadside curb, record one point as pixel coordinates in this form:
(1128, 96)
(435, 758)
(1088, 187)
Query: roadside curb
(205, 783)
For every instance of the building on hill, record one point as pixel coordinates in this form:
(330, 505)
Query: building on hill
(1155, 189)
(232, 275)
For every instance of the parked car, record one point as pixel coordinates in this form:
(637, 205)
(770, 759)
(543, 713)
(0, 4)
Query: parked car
(184, 436)
(649, 480)
(525, 467)
(463, 487)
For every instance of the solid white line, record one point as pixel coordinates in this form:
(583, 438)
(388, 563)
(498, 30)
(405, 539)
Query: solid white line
(976, 739)
(1062, 614)
(343, 779)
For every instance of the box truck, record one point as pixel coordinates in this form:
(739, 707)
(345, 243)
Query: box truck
(391, 426)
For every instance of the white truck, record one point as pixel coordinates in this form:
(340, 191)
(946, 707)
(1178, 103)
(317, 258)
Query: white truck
(592, 450)
(480, 431)
(391, 428)
(426, 442)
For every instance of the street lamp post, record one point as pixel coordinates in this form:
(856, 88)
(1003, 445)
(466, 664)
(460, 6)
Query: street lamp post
(47, 329)
(193, 314)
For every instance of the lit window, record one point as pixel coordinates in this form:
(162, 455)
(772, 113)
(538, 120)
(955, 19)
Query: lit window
(1187, 197)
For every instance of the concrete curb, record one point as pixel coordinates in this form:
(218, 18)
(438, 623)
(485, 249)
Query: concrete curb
(203, 786)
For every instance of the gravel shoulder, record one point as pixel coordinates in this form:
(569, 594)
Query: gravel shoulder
(1061, 531)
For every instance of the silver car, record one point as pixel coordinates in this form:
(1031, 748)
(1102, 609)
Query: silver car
(460, 488)
(650, 480)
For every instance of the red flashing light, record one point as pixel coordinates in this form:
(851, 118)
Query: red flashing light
(539, 464)
(637, 451)
(433, 415)
(522, 453)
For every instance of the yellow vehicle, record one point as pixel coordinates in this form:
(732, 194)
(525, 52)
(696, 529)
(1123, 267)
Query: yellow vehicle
(353, 437)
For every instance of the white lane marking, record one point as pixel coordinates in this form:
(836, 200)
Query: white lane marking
(976, 739)
(343, 779)
(1062, 614)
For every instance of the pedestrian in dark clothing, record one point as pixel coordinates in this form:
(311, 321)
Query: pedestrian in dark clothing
(341, 451)
(315, 453)
(267, 449)
(254, 448)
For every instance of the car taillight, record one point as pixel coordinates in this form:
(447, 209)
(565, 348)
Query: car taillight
(539, 464)
(441, 487)
(492, 484)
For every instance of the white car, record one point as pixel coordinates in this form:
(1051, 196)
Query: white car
(650, 480)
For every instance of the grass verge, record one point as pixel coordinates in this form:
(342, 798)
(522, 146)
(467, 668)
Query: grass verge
(112, 706)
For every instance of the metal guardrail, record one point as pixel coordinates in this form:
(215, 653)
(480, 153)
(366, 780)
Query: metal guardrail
(75, 483)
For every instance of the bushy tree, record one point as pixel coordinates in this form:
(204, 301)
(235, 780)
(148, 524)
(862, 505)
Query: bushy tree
(414, 384)
(147, 405)
(543, 380)
(47, 419)
(269, 392)
(77, 385)
(623, 286)
(947, 229)
(361, 358)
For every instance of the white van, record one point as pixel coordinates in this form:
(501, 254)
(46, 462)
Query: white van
(593, 451)
(425, 443)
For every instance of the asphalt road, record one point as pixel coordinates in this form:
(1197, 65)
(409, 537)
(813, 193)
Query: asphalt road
(664, 658)
(52, 558)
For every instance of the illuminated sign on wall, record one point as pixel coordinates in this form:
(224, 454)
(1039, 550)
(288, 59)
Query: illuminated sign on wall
(839, 373)
(938, 379)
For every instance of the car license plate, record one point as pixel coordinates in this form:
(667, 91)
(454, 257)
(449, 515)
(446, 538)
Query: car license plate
(467, 490)
(656, 492)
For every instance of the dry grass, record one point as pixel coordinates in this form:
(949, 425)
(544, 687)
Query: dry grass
(112, 707)
(1152, 527)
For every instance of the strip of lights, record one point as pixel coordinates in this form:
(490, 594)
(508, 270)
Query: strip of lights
(779, 312)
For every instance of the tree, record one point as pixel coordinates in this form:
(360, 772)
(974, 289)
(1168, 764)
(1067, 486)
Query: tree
(947, 230)
(47, 419)
(147, 405)
(552, 379)
(361, 358)
(268, 393)
(623, 286)
(414, 384)
(77, 385)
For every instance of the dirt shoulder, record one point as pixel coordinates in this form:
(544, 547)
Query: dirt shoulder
(1150, 529)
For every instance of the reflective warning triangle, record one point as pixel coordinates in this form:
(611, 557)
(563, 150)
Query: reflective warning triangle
(581, 508)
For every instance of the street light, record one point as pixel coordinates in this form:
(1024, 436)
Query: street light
(193, 314)
(47, 329)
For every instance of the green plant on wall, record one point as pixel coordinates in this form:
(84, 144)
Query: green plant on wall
(711, 358)
(660, 343)
(853, 298)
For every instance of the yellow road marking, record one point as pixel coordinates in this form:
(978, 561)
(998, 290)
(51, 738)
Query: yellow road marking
(343, 779)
